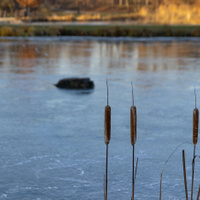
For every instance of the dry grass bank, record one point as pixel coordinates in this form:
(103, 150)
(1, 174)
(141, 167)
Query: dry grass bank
(164, 14)
(173, 14)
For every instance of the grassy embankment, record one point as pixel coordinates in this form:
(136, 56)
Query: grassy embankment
(101, 30)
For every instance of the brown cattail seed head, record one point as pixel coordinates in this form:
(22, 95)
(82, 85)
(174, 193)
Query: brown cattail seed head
(133, 124)
(107, 124)
(195, 125)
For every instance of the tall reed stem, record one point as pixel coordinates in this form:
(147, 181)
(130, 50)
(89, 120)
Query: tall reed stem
(133, 174)
(184, 173)
(198, 193)
(193, 165)
(106, 194)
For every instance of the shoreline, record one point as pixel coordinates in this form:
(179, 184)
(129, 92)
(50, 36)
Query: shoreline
(102, 39)
(98, 29)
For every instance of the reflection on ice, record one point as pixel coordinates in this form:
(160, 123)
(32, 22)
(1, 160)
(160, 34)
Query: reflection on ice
(144, 54)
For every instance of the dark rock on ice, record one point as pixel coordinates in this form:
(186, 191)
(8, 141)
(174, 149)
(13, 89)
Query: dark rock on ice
(75, 83)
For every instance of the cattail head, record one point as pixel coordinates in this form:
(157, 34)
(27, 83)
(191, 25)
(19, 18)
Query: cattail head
(195, 125)
(133, 124)
(107, 124)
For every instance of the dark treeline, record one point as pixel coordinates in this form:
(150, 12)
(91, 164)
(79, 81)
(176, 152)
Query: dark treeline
(46, 7)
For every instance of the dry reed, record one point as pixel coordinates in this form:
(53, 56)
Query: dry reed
(193, 164)
(136, 166)
(184, 174)
(198, 195)
(160, 195)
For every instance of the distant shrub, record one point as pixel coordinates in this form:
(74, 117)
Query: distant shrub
(182, 33)
(133, 33)
(124, 32)
(54, 31)
(66, 32)
(41, 31)
(19, 32)
(167, 33)
(44, 9)
(115, 32)
(146, 33)
(100, 32)
(78, 32)
(195, 33)
(30, 31)
(7, 31)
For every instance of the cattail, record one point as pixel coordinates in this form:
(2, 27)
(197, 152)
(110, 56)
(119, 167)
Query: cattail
(107, 124)
(133, 129)
(107, 131)
(195, 137)
(195, 125)
(133, 123)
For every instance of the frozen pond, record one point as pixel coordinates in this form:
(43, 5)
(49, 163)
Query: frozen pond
(52, 141)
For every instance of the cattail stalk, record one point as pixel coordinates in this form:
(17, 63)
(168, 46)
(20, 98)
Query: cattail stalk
(184, 174)
(107, 134)
(106, 194)
(133, 176)
(193, 166)
(133, 129)
(198, 193)
(195, 139)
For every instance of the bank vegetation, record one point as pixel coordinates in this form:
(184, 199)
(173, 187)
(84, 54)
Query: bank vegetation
(102, 31)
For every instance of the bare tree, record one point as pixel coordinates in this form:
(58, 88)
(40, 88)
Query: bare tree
(120, 2)
(127, 3)
(7, 6)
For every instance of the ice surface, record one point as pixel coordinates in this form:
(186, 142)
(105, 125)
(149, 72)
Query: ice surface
(52, 141)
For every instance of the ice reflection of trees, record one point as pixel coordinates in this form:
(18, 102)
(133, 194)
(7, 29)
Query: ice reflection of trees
(140, 55)
(144, 56)
(166, 56)
(25, 57)
(95, 56)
